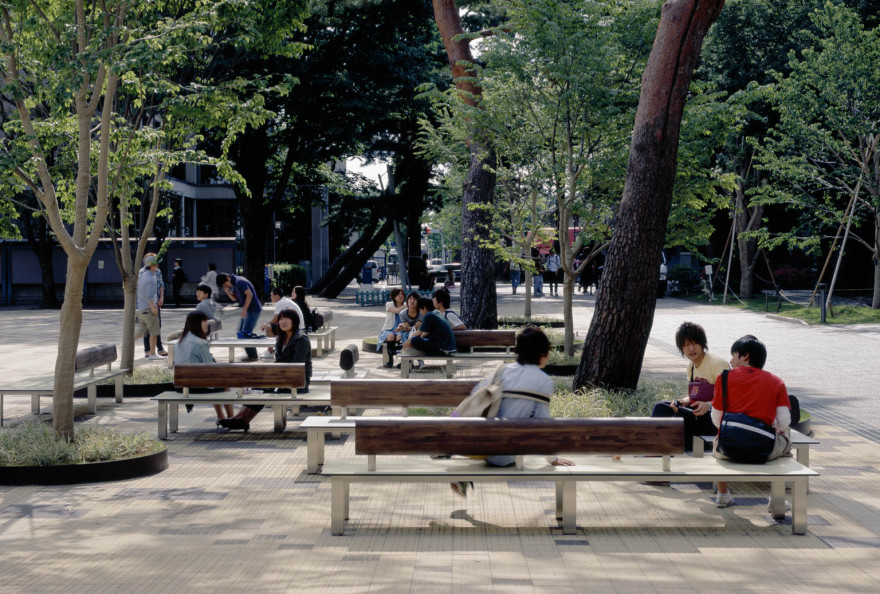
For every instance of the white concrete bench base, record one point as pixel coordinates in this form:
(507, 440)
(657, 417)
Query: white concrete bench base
(406, 361)
(44, 385)
(169, 402)
(343, 472)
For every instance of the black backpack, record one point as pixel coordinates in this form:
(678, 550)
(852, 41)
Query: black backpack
(317, 319)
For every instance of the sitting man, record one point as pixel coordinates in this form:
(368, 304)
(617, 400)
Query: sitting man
(206, 306)
(756, 393)
(441, 303)
(434, 336)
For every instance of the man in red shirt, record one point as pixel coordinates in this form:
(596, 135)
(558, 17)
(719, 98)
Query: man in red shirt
(756, 393)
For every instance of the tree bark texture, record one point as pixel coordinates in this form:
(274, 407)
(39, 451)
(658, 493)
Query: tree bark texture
(479, 308)
(615, 345)
(747, 219)
(36, 230)
(256, 215)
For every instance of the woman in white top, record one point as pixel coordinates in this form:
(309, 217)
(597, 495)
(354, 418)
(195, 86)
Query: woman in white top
(389, 332)
(210, 279)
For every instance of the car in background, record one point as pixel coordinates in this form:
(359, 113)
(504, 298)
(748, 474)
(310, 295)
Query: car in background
(441, 275)
(435, 265)
(375, 272)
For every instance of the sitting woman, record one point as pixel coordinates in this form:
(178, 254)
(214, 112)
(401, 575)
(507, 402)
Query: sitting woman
(389, 332)
(702, 370)
(298, 295)
(291, 346)
(193, 348)
(527, 391)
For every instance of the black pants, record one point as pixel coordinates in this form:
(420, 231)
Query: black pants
(693, 425)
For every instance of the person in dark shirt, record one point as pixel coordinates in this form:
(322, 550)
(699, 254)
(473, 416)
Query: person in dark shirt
(434, 336)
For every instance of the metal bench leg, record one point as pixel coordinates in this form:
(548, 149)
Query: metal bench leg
(314, 450)
(802, 455)
(280, 417)
(569, 507)
(163, 421)
(35, 404)
(559, 500)
(777, 499)
(173, 417)
(119, 393)
(92, 393)
(232, 354)
(799, 506)
(338, 505)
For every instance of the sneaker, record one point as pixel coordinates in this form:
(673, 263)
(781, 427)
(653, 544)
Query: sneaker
(267, 355)
(723, 499)
(155, 357)
(786, 508)
(461, 487)
(163, 353)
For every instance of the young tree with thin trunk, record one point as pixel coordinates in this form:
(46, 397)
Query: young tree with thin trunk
(615, 345)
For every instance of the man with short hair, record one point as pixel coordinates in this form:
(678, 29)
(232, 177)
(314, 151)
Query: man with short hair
(756, 393)
(146, 303)
(434, 336)
(206, 305)
(441, 303)
(240, 289)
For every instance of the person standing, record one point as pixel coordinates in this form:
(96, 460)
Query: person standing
(210, 279)
(147, 304)
(178, 277)
(514, 275)
(552, 274)
(240, 289)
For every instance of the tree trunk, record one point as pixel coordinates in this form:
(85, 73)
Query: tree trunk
(36, 230)
(479, 307)
(747, 219)
(357, 261)
(875, 260)
(256, 214)
(129, 291)
(69, 328)
(343, 259)
(615, 345)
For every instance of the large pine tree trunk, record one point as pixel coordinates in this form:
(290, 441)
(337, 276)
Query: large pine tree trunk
(615, 345)
(479, 308)
(256, 214)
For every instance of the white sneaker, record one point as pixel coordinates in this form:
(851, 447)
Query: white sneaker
(267, 355)
(786, 508)
(155, 357)
(723, 499)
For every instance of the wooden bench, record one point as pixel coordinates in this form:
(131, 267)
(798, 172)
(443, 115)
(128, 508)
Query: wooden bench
(86, 375)
(236, 375)
(466, 341)
(377, 393)
(520, 437)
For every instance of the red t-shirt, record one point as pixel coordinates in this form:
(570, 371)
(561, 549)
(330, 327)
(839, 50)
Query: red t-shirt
(752, 391)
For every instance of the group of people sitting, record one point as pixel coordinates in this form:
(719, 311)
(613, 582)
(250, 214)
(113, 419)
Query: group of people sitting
(421, 326)
(287, 326)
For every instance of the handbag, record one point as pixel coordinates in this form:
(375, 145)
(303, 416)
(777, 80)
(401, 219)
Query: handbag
(485, 401)
(700, 390)
(743, 438)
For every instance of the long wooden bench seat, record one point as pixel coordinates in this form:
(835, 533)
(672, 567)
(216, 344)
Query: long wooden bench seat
(86, 375)
(377, 393)
(376, 438)
(466, 341)
(236, 375)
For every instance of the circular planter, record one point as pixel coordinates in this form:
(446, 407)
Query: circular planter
(561, 369)
(369, 345)
(93, 472)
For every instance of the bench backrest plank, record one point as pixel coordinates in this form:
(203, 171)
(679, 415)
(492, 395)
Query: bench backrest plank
(400, 392)
(657, 436)
(240, 375)
(95, 356)
(472, 338)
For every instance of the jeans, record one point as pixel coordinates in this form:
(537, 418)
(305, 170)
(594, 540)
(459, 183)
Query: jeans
(514, 279)
(247, 325)
(539, 286)
(693, 425)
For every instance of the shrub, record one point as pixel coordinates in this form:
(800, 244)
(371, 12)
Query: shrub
(288, 276)
(686, 277)
(789, 277)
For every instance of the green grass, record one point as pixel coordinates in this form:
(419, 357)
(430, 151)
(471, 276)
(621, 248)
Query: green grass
(595, 402)
(147, 374)
(534, 320)
(34, 444)
(843, 314)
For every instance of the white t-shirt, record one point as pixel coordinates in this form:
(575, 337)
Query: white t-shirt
(453, 318)
(288, 303)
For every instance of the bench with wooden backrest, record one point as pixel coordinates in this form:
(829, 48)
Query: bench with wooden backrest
(379, 443)
(377, 393)
(86, 375)
(236, 375)
(466, 341)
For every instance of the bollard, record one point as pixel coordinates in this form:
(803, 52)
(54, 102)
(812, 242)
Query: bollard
(822, 302)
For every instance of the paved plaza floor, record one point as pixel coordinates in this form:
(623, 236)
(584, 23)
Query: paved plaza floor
(237, 512)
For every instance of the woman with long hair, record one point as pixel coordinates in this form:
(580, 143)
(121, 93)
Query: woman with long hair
(299, 297)
(291, 346)
(193, 348)
(389, 332)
